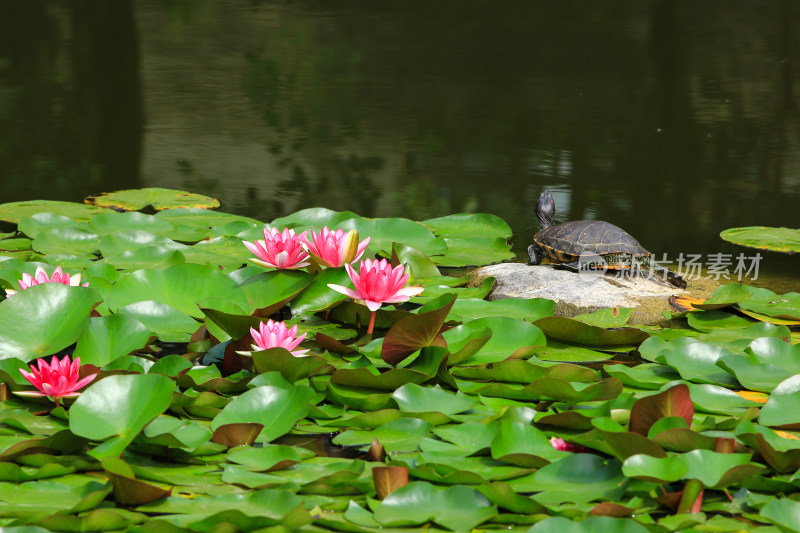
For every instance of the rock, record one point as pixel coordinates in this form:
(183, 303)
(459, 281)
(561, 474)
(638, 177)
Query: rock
(584, 292)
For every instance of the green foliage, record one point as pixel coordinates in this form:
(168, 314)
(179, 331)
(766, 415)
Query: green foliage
(181, 432)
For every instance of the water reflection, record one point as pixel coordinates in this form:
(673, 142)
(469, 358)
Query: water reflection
(674, 120)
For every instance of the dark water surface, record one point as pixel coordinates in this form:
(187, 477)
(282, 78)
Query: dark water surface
(670, 118)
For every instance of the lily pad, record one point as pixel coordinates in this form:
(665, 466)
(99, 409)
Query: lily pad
(33, 322)
(15, 211)
(158, 198)
(276, 408)
(116, 408)
(575, 331)
(786, 240)
(456, 508)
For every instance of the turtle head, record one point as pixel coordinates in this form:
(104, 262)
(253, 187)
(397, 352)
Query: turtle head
(545, 209)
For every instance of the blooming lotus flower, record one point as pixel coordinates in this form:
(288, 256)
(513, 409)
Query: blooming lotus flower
(335, 248)
(282, 250)
(560, 444)
(57, 379)
(40, 276)
(377, 283)
(273, 334)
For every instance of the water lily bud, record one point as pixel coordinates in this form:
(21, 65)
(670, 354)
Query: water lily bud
(349, 247)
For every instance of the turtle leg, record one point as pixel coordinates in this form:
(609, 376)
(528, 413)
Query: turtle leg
(574, 266)
(535, 254)
(667, 274)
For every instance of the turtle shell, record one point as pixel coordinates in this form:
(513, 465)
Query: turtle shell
(565, 243)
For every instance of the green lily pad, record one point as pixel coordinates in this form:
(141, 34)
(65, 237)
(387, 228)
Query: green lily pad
(402, 434)
(474, 251)
(15, 211)
(109, 337)
(116, 408)
(786, 240)
(276, 408)
(783, 404)
(109, 222)
(516, 335)
(469, 225)
(153, 257)
(577, 478)
(593, 524)
(164, 320)
(456, 508)
(179, 286)
(317, 296)
(610, 317)
(159, 199)
(768, 303)
(523, 445)
(693, 360)
(385, 231)
(466, 309)
(655, 469)
(414, 398)
(69, 240)
(725, 296)
(33, 322)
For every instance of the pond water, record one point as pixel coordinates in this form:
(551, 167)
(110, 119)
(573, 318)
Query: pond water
(672, 119)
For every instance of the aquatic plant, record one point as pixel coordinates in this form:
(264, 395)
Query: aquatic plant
(333, 249)
(271, 334)
(56, 379)
(449, 410)
(377, 283)
(41, 276)
(279, 249)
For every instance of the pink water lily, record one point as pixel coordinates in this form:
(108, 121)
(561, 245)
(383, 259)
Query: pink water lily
(57, 379)
(335, 248)
(40, 276)
(271, 334)
(377, 283)
(560, 444)
(279, 249)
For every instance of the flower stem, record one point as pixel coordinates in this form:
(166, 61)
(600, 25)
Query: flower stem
(371, 323)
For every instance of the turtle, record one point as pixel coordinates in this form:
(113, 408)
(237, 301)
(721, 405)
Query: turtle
(590, 244)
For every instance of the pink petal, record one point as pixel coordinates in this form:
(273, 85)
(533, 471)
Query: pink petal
(350, 293)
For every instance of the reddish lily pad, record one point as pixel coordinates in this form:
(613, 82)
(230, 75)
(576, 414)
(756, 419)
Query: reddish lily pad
(674, 401)
(416, 332)
(575, 331)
